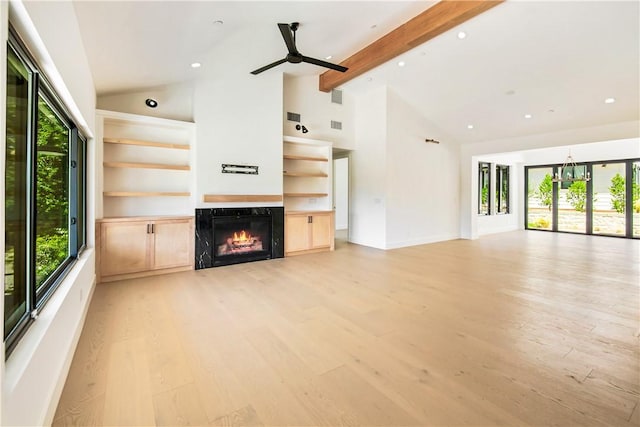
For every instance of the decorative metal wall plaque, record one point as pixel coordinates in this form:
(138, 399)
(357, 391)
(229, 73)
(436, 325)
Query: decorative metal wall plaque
(244, 169)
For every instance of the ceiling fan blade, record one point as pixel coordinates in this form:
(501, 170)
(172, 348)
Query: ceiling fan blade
(288, 37)
(324, 64)
(266, 67)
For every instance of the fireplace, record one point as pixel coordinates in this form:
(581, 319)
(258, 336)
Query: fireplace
(233, 235)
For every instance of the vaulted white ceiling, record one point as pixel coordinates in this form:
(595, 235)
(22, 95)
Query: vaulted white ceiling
(556, 61)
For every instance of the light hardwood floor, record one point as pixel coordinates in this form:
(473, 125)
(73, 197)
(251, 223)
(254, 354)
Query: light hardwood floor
(521, 328)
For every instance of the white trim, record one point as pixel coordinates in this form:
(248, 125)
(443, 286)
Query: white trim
(421, 241)
(19, 18)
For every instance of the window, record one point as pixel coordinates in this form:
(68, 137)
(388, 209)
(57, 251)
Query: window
(605, 204)
(502, 189)
(45, 181)
(484, 183)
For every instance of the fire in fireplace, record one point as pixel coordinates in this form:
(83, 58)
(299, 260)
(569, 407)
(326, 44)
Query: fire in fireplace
(232, 235)
(240, 243)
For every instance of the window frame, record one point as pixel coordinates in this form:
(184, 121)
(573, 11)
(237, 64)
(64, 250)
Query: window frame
(502, 172)
(36, 297)
(481, 174)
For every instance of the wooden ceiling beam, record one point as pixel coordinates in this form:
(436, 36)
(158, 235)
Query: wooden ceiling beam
(434, 21)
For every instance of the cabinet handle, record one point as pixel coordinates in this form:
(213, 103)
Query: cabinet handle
(153, 228)
(148, 228)
(309, 219)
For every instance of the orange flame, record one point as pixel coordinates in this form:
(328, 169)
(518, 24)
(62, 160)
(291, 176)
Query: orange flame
(242, 237)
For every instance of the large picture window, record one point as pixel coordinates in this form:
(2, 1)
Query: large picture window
(45, 183)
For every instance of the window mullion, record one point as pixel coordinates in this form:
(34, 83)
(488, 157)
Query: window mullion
(31, 194)
(73, 192)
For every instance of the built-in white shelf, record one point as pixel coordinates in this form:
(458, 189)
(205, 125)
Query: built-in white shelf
(307, 172)
(145, 164)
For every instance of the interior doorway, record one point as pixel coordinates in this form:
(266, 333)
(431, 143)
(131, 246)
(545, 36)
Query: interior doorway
(341, 162)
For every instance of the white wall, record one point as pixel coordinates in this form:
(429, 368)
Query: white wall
(628, 148)
(34, 374)
(174, 102)
(422, 179)
(239, 121)
(544, 149)
(341, 192)
(404, 191)
(369, 170)
(301, 95)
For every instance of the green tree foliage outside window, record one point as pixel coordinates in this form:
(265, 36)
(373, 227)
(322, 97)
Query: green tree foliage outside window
(577, 195)
(52, 193)
(618, 193)
(545, 191)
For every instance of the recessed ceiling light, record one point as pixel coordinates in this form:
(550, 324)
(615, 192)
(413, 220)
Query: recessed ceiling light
(609, 100)
(469, 126)
(401, 64)
(218, 22)
(196, 65)
(151, 103)
(328, 57)
(527, 116)
(462, 35)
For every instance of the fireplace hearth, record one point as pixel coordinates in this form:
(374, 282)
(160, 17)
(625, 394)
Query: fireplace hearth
(234, 235)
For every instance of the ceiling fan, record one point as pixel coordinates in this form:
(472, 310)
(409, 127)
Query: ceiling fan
(289, 35)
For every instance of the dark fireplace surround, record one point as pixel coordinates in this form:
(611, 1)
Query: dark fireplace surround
(227, 236)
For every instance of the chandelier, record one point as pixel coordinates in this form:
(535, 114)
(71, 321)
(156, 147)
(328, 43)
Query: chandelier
(571, 174)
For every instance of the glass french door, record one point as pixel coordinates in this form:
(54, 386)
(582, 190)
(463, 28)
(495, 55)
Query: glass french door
(572, 199)
(606, 203)
(539, 198)
(609, 199)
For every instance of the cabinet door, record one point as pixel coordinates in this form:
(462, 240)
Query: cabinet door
(296, 233)
(124, 247)
(173, 243)
(321, 230)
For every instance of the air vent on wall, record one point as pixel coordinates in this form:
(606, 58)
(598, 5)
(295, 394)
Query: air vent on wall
(336, 125)
(293, 117)
(336, 96)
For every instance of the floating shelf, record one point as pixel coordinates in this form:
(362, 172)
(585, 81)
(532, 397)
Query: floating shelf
(310, 158)
(145, 194)
(146, 166)
(305, 194)
(306, 174)
(215, 198)
(146, 143)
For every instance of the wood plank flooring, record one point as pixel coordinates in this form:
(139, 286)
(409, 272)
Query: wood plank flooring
(516, 329)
